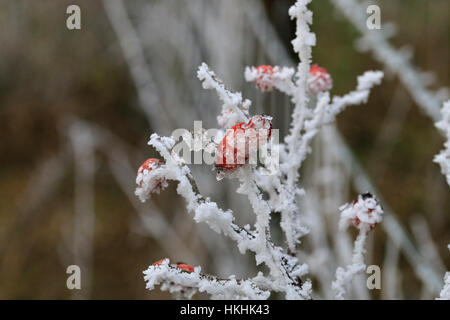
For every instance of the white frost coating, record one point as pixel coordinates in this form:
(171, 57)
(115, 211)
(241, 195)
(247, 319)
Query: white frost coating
(305, 38)
(319, 82)
(344, 276)
(369, 79)
(262, 212)
(443, 158)
(280, 78)
(364, 214)
(234, 108)
(208, 212)
(365, 83)
(184, 284)
(150, 181)
(445, 292)
(302, 44)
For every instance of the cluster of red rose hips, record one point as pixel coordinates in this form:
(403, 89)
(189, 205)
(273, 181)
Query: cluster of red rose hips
(319, 80)
(234, 149)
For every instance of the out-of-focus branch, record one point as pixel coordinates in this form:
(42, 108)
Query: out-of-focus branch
(393, 59)
(83, 143)
(129, 41)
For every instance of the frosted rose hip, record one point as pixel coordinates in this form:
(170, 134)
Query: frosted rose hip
(319, 80)
(240, 140)
(263, 79)
(363, 213)
(148, 179)
(159, 262)
(185, 267)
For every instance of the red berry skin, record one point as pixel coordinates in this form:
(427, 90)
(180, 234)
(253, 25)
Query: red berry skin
(149, 164)
(185, 267)
(229, 156)
(261, 122)
(229, 143)
(159, 262)
(316, 70)
(319, 80)
(265, 69)
(263, 81)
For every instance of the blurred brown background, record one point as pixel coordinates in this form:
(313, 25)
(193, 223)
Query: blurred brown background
(52, 78)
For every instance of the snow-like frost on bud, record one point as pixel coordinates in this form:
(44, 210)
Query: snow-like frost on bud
(319, 80)
(363, 213)
(262, 76)
(266, 78)
(149, 179)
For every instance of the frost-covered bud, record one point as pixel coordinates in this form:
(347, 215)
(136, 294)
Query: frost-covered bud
(267, 78)
(363, 213)
(263, 77)
(319, 80)
(149, 180)
(185, 267)
(239, 142)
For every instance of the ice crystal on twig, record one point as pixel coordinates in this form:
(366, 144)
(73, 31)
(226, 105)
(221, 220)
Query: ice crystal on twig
(364, 214)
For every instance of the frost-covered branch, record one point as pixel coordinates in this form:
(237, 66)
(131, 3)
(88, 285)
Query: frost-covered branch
(173, 168)
(183, 281)
(443, 158)
(234, 108)
(364, 213)
(149, 99)
(285, 274)
(267, 77)
(445, 292)
(302, 44)
(394, 60)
